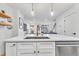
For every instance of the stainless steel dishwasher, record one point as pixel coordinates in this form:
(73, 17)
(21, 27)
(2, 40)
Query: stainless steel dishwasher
(67, 48)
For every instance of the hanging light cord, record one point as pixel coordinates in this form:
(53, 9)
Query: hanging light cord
(32, 6)
(51, 6)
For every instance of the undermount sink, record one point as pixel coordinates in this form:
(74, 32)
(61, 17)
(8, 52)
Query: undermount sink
(37, 37)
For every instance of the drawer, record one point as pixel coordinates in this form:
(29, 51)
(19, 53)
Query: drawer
(26, 45)
(46, 49)
(45, 45)
(46, 52)
(25, 52)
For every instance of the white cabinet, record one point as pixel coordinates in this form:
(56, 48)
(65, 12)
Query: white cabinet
(71, 24)
(30, 49)
(10, 49)
(46, 48)
(68, 22)
(26, 49)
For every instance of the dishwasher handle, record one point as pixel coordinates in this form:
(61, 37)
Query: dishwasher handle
(67, 45)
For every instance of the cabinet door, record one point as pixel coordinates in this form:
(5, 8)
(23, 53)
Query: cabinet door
(71, 23)
(10, 49)
(26, 49)
(46, 48)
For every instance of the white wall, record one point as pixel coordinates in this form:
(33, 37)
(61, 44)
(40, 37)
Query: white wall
(5, 33)
(68, 22)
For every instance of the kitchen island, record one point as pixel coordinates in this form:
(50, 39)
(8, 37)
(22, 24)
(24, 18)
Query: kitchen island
(18, 46)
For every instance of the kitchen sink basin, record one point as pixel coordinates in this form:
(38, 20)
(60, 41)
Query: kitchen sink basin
(37, 38)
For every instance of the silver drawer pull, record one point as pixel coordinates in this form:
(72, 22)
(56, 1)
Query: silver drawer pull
(34, 51)
(38, 51)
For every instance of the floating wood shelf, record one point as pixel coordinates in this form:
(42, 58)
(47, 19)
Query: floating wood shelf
(5, 24)
(3, 15)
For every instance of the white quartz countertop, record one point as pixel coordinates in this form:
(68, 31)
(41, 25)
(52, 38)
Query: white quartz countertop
(53, 37)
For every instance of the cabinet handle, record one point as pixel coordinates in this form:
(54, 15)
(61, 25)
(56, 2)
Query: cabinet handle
(34, 51)
(38, 51)
(12, 45)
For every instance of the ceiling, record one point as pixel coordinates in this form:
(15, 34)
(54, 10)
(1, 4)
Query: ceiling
(42, 10)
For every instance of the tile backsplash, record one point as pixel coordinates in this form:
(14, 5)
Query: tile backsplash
(43, 28)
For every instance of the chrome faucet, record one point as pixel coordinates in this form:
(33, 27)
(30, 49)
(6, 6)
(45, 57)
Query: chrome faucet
(38, 29)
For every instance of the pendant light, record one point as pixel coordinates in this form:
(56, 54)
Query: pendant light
(32, 11)
(51, 9)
